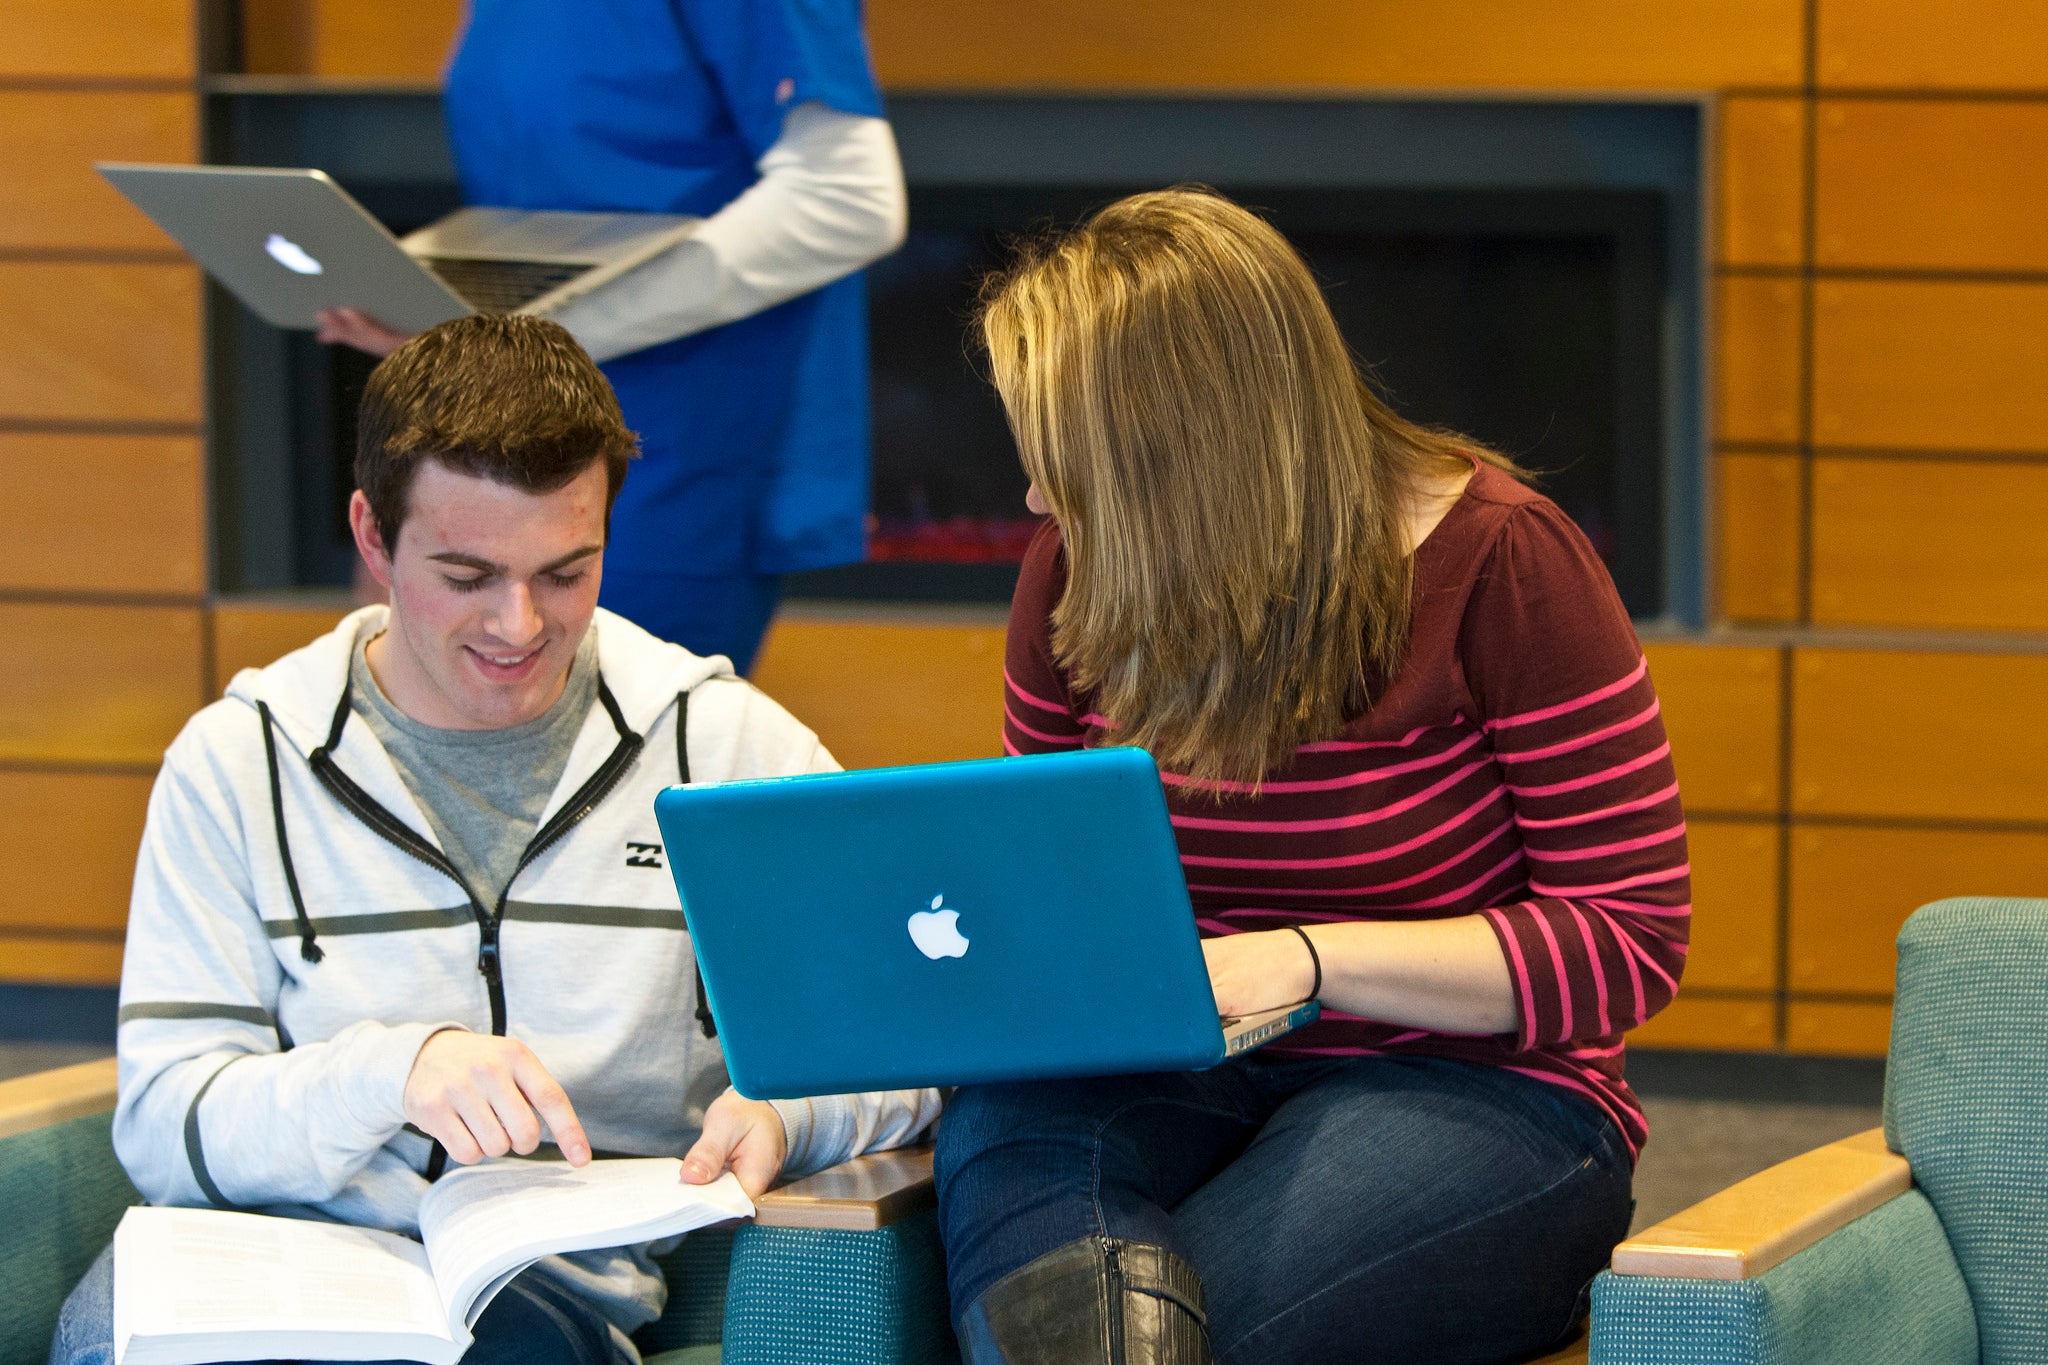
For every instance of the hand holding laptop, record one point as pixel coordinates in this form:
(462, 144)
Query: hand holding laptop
(1253, 973)
(354, 327)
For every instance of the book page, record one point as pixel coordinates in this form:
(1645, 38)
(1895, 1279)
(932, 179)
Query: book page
(193, 1272)
(481, 1221)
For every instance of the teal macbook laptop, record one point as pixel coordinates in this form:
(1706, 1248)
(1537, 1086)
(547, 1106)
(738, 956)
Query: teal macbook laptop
(1002, 919)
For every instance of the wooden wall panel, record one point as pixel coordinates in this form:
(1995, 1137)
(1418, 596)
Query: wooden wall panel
(50, 196)
(103, 513)
(45, 960)
(1734, 906)
(1762, 147)
(1952, 184)
(1853, 887)
(1756, 380)
(1291, 44)
(1951, 365)
(140, 38)
(1757, 533)
(1935, 543)
(1720, 706)
(1712, 1023)
(1830, 1028)
(350, 38)
(96, 684)
(68, 842)
(1959, 45)
(881, 693)
(252, 634)
(99, 342)
(1941, 736)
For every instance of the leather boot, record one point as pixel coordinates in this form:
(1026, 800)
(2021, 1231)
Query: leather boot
(1095, 1301)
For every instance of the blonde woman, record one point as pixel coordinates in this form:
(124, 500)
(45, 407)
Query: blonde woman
(1416, 771)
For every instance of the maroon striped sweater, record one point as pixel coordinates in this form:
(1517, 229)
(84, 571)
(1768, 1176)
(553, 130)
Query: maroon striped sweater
(1516, 768)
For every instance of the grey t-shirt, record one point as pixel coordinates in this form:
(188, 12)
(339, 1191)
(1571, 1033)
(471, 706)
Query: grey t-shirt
(482, 790)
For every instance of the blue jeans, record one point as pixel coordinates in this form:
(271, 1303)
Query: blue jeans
(1350, 1209)
(533, 1321)
(705, 614)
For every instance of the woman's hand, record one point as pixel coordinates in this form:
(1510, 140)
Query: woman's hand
(1251, 973)
(353, 327)
(741, 1135)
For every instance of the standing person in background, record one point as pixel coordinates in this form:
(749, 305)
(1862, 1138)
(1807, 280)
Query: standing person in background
(740, 355)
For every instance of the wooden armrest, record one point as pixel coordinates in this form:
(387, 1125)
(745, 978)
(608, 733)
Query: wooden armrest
(47, 1097)
(860, 1195)
(1756, 1223)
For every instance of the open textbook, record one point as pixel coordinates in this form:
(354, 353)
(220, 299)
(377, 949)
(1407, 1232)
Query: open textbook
(197, 1285)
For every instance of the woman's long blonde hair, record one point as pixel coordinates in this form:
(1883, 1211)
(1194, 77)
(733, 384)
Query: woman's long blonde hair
(1230, 491)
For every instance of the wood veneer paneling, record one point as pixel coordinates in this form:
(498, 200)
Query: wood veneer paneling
(96, 684)
(1852, 888)
(1763, 159)
(99, 342)
(934, 44)
(881, 693)
(1828, 1028)
(48, 961)
(140, 38)
(250, 635)
(1948, 184)
(353, 38)
(68, 842)
(103, 513)
(1720, 706)
(1758, 534)
(1941, 736)
(1734, 905)
(50, 196)
(1958, 45)
(1936, 543)
(1953, 365)
(1756, 381)
(1712, 1023)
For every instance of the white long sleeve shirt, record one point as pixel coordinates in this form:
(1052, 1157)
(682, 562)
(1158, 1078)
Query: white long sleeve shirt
(829, 201)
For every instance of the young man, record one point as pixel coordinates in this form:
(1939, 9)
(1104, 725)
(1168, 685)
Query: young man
(401, 898)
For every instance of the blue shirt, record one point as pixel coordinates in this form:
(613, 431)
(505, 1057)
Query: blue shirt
(754, 435)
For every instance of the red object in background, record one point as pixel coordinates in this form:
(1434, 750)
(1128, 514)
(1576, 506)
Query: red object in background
(954, 540)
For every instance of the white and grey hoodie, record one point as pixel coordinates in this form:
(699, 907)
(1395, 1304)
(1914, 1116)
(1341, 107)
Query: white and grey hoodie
(295, 936)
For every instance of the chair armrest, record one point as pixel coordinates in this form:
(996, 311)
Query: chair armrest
(860, 1195)
(49, 1097)
(1756, 1223)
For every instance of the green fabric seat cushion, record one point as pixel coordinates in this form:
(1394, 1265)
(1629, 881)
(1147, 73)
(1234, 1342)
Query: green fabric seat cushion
(696, 1272)
(806, 1297)
(687, 1355)
(1966, 1101)
(61, 1193)
(1882, 1291)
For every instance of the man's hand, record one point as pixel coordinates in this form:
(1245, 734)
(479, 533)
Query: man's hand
(353, 327)
(480, 1095)
(1255, 972)
(741, 1135)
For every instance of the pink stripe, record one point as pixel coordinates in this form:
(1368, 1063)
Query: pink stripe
(1098, 720)
(1567, 855)
(1666, 874)
(1345, 746)
(1453, 897)
(1635, 973)
(1521, 971)
(1352, 821)
(1588, 817)
(1382, 888)
(1325, 784)
(1287, 916)
(1599, 970)
(1604, 775)
(1376, 855)
(1642, 908)
(1591, 1053)
(1564, 985)
(1623, 1121)
(1576, 703)
(1065, 741)
(1585, 741)
(1040, 702)
(1410, 1036)
(1642, 954)
(1010, 747)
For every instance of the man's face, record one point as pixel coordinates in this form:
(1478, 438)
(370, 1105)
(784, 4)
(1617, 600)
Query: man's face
(492, 589)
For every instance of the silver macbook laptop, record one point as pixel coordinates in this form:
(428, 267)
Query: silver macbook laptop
(289, 243)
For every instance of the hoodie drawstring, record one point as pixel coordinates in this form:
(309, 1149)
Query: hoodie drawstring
(308, 949)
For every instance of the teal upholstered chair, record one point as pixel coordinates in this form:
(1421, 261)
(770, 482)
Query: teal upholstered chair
(1925, 1243)
(840, 1269)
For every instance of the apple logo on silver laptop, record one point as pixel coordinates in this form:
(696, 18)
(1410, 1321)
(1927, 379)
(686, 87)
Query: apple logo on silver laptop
(936, 932)
(290, 255)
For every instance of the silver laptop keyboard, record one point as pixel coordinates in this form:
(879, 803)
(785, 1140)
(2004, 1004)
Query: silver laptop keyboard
(500, 286)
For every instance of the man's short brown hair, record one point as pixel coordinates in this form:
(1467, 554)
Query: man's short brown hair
(507, 398)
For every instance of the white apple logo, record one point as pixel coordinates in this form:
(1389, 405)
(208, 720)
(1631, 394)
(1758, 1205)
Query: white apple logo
(937, 933)
(290, 255)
